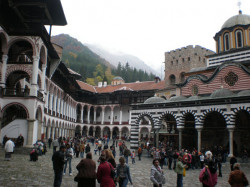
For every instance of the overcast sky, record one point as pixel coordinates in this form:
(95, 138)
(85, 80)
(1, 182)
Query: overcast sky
(147, 28)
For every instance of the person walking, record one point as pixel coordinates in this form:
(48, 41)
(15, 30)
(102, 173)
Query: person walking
(208, 175)
(133, 157)
(58, 163)
(139, 153)
(9, 149)
(237, 178)
(202, 160)
(82, 147)
(104, 173)
(87, 148)
(49, 142)
(123, 173)
(156, 174)
(233, 160)
(179, 170)
(69, 156)
(86, 172)
(126, 154)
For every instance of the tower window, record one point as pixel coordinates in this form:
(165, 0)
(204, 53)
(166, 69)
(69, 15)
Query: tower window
(239, 38)
(226, 42)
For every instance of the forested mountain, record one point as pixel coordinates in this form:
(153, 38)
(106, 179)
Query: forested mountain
(91, 66)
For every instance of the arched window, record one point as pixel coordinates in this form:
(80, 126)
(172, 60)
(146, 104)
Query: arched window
(226, 42)
(239, 38)
(219, 49)
(172, 79)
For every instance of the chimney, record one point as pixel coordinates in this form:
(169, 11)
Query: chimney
(99, 84)
(157, 79)
(105, 84)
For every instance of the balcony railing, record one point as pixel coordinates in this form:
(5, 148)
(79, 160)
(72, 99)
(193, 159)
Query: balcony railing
(22, 92)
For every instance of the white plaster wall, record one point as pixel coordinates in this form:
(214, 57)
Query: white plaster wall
(35, 131)
(14, 129)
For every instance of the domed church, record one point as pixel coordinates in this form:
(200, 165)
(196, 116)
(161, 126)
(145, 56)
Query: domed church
(213, 105)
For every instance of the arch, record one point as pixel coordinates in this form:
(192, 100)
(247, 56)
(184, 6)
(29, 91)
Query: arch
(3, 44)
(98, 115)
(20, 52)
(85, 114)
(226, 41)
(39, 113)
(214, 132)
(98, 131)
(241, 118)
(91, 115)
(144, 133)
(116, 116)
(78, 112)
(172, 79)
(78, 130)
(12, 112)
(107, 116)
(43, 56)
(148, 115)
(106, 131)
(189, 134)
(85, 131)
(115, 133)
(26, 39)
(124, 133)
(239, 38)
(168, 128)
(91, 131)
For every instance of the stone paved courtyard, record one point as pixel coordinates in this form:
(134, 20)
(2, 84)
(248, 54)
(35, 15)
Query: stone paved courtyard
(20, 172)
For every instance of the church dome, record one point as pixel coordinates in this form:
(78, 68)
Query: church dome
(154, 99)
(241, 19)
(117, 78)
(177, 98)
(221, 93)
(244, 93)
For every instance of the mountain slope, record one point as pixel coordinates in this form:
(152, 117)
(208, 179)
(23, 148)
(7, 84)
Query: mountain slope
(123, 58)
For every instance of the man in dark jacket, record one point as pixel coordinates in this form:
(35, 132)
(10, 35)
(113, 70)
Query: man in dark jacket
(58, 163)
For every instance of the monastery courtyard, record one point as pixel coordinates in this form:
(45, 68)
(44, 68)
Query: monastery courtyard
(20, 172)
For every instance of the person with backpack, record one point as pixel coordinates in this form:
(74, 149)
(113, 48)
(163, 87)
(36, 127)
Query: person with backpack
(126, 154)
(123, 173)
(179, 170)
(208, 175)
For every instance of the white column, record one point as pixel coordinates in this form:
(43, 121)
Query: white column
(55, 100)
(30, 133)
(120, 134)
(49, 132)
(34, 85)
(120, 122)
(88, 115)
(43, 77)
(94, 115)
(46, 99)
(231, 139)
(51, 101)
(103, 110)
(180, 128)
(199, 129)
(81, 115)
(112, 115)
(4, 67)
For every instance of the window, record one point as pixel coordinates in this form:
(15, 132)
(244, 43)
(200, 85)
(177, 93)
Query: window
(172, 63)
(219, 50)
(195, 90)
(226, 42)
(172, 79)
(189, 58)
(231, 78)
(183, 59)
(238, 38)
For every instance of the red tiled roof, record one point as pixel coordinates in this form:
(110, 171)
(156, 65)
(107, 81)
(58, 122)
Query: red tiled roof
(85, 86)
(135, 86)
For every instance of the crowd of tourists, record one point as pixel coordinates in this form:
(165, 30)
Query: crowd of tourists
(110, 174)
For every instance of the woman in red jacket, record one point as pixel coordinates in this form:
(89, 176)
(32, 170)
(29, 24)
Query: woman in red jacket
(104, 173)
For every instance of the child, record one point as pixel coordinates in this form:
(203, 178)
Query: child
(133, 157)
